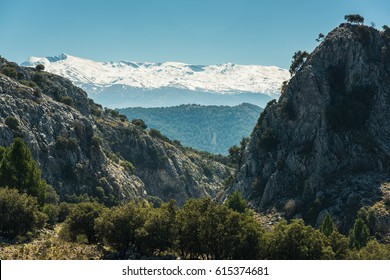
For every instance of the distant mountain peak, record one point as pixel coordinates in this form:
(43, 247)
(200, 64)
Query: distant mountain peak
(128, 79)
(218, 78)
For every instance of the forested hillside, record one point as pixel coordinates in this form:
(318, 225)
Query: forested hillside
(210, 128)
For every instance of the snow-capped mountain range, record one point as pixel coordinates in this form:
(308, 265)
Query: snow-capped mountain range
(129, 84)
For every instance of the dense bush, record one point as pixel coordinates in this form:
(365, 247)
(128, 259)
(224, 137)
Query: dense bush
(159, 232)
(19, 213)
(79, 225)
(9, 71)
(64, 143)
(354, 18)
(12, 122)
(236, 202)
(295, 241)
(121, 226)
(211, 231)
(67, 100)
(128, 166)
(140, 123)
(157, 134)
(29, 84)
(40, 67)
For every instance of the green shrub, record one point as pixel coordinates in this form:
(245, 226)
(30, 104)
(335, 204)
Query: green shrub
(64, 143)
(236, 202)
(30, 84)
(114, 113)
(295, 241)
(374, 251)
(157, 134)
(52, 212)
(120, 226)
(96, 111)
(12, 122)
(64, 210)
(40, 67)
(123, 118)
(81, 220)
(67, 100)
(354, 18)
(38, 78)
(19, 213)
(96, 141)
(9, 71)
(140, 123)
(128, 166)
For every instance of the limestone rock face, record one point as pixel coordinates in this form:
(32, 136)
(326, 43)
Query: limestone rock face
(325, 144)
(85, 149)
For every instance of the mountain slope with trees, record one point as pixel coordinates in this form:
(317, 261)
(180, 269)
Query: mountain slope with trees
(86, 151)
(210, 128)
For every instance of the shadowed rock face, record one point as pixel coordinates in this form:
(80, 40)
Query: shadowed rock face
(85, 149)
(325, 144)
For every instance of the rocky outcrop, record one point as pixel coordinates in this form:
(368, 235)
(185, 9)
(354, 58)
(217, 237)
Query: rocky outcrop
(324, 145)
(85, 149)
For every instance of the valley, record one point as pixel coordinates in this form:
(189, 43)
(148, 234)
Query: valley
(310, 181)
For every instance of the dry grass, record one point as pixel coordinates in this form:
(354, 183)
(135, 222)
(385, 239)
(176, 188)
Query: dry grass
(49, 247)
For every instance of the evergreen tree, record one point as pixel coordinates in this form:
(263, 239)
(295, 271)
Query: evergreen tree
(236, 202)
(359, 234)
(40, 67)
(159, 234)
(234, 154)
(121, 226)
(81, 222)
(327, 226)
(19, 170)
(299, 58)
(295, 241)
(354, 18)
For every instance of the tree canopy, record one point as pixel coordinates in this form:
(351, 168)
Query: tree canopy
(19, 170)
(354, 18)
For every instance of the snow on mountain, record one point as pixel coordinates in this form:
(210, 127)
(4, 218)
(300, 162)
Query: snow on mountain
(96, 77)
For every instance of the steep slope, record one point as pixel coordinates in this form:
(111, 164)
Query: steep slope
(324, 145)
(210, 128)
(84, 149)
(131, 84)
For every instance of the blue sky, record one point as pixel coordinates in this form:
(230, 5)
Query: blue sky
(192, 31)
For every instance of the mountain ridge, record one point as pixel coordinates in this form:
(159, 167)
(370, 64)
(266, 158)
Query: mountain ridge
(84, 149)
(323, 146)
(228, 79)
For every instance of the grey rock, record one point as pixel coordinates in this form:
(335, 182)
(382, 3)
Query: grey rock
(333, 140)
(83, 148)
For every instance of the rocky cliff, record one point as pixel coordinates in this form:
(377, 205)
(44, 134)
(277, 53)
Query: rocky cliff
(85, 149)
(325, 144)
